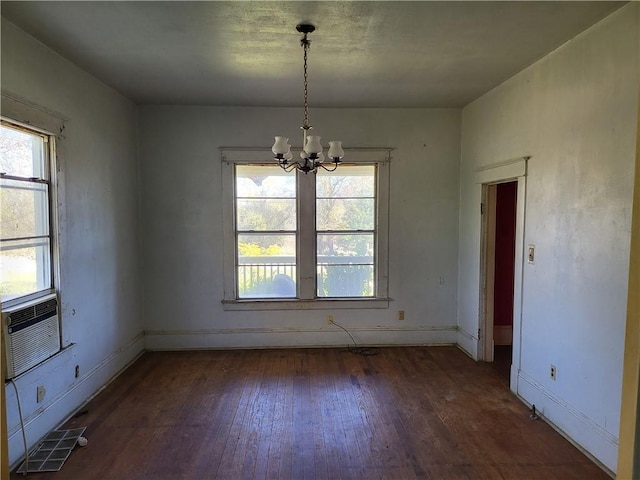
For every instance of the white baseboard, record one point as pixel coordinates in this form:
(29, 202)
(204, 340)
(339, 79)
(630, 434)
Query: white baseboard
(59, 406)
(570, 422)
(502, 334)
(287, 338)
(467, 343)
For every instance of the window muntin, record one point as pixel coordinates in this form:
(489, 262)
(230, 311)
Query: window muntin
(345, 232)
(25, 229)
(266, 224)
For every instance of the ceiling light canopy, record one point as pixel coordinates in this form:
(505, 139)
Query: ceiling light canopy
(311, 156)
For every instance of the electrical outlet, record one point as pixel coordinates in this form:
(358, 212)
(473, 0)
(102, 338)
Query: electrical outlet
(400, 314)
(552, 372)
(329, 319)
(442, 280)
(77, 372)
(531, 254)
(41, 393)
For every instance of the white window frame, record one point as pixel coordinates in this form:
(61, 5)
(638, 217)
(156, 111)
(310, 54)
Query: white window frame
(306, 233)
(19, 113)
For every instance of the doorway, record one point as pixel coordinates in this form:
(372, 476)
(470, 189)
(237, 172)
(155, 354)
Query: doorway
(500, 214)
(488, 178)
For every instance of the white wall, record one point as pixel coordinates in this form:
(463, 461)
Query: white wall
(99, 232)
(574, 112)
(182, 226)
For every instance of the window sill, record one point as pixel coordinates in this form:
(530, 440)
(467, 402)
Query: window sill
(315, 304)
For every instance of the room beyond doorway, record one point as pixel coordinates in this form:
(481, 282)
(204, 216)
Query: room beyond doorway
(505, 246)
(500, 215)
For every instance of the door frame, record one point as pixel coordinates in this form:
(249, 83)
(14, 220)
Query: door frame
(488, 177)
(487, 269)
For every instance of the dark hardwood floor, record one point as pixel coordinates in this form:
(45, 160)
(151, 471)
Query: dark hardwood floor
(407, 413)
(502, 360)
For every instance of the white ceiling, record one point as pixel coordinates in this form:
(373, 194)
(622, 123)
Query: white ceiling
(363, 54)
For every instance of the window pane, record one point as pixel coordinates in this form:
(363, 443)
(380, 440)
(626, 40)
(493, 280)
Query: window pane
(24, 268)
(350, 248)
(264, 181)
(24, 209)
(266, 214)
(266, 266)
(345, 281)
(21, 153)
(345, 265)
(345, 200)
(345, 214)
(346, 181)
(265, 198)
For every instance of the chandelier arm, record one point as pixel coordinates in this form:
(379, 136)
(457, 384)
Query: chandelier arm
(335, 165)
(288, 167)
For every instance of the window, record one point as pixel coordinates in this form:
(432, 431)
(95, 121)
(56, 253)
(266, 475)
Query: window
(26, 265)
(294, 237)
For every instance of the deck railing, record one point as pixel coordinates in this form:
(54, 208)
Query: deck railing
(275, 276)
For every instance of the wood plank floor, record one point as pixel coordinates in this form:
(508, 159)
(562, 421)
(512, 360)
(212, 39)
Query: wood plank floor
(407, 413)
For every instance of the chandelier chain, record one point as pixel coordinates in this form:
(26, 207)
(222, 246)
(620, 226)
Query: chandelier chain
(305, 45)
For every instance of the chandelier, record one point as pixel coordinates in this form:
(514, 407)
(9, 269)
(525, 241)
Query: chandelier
(311, 156)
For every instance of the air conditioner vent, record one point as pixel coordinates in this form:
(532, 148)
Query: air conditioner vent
(22, 315)
(46, 307)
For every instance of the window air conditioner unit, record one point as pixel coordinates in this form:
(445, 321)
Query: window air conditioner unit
(31, 334)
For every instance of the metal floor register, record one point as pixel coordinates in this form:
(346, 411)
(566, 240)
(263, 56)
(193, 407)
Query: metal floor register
(53, 451)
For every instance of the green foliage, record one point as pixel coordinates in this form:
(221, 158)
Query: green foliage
(266, 214)
(345, 281)
(255, 250)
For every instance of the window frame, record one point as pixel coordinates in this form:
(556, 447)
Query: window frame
(18, 109)
(306, 233)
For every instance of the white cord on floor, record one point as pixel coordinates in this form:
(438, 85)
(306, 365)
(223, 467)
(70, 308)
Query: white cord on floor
(24, 433)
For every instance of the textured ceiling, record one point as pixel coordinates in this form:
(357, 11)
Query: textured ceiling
(363, 54)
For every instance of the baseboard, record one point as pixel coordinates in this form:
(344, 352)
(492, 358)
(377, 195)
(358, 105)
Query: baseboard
(581, 430)
(48, 416)
(331, 336)
(467, 343)
(502, 334)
